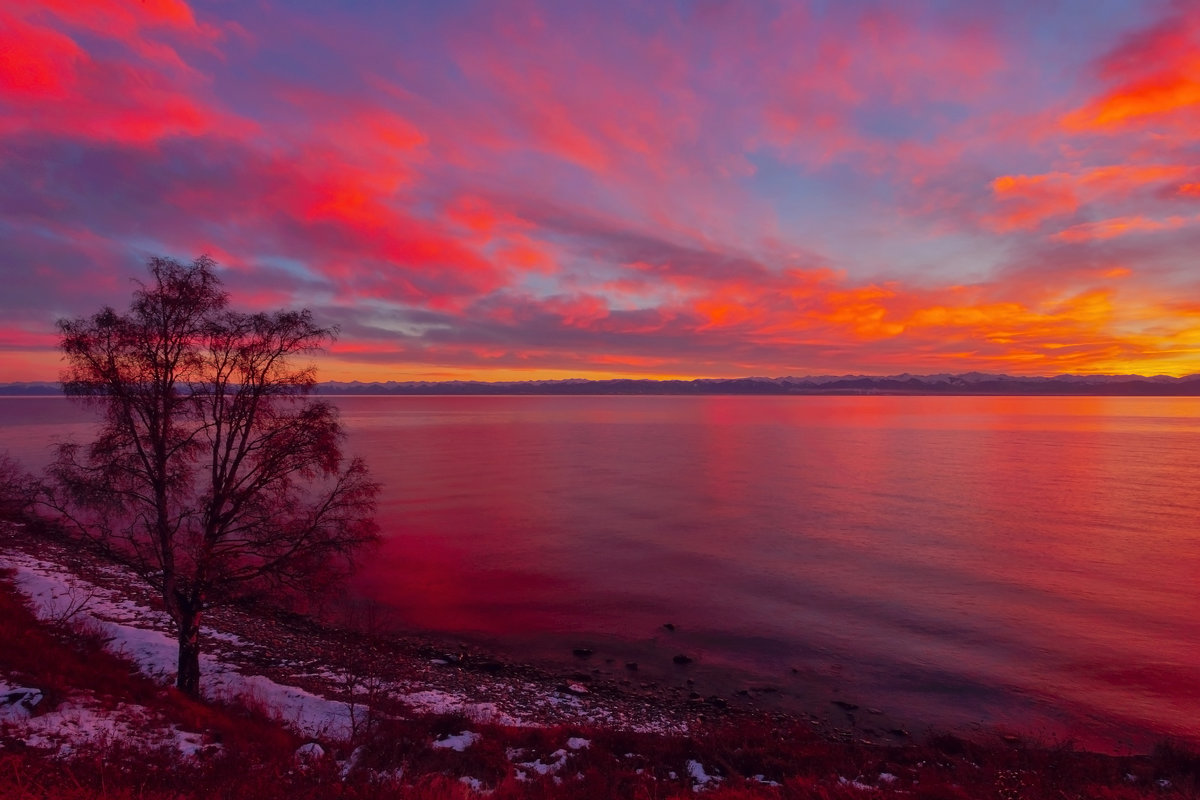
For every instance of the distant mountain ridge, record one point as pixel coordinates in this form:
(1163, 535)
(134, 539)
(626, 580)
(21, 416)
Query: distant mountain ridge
(948, 384)
(969, 383)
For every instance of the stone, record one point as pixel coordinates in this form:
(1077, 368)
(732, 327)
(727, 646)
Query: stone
(309, 752)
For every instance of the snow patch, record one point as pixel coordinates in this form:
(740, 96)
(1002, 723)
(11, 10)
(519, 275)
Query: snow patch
(84, 722)
(474, 784)
(458, 742)
(17, 702)
(862, 787)
(156, 652)
(555, 762)
(434, 701)
(699, 776)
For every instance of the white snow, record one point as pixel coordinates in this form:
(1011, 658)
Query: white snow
(144, 635)
(83, 721)
(474, 784)
(578, 743)
(435, 701)
(698, 774)
(156, 652)
(553, 763)
(862, 787)
(458, 742)
(17, 702)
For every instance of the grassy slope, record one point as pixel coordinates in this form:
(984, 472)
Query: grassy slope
(255, 758)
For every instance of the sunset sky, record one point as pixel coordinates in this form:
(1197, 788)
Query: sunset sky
(512, 190)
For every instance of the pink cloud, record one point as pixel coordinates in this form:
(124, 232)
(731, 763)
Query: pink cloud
(1120, 226)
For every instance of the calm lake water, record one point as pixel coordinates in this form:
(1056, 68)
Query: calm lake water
(1029, 564)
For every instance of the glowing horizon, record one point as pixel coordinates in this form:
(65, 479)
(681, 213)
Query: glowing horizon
(532, 190)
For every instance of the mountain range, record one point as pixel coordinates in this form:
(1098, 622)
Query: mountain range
(946, 384)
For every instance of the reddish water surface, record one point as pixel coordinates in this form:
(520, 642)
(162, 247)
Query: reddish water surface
(1025, 563)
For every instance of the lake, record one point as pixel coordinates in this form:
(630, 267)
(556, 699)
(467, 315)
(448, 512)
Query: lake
(1024, 563)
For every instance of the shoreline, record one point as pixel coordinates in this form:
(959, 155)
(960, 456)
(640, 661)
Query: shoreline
(471, 675)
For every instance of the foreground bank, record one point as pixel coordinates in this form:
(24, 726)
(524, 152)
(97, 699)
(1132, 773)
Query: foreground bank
(294, 710)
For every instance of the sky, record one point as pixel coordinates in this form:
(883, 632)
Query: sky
(516, 189)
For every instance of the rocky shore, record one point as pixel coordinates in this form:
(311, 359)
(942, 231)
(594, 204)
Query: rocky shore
(311, 709)
(393, 673)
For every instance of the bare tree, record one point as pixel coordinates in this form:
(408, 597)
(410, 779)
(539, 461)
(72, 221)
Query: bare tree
(215, 475)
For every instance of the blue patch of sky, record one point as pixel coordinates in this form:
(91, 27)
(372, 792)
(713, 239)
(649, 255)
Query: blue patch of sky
(850, 218)
(815, 209)
(906, 123)
(290, 266)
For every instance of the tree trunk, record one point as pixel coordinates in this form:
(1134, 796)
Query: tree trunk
(188, 679)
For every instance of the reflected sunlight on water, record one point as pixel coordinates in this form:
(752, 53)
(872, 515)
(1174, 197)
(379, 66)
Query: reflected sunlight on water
(1025, 561)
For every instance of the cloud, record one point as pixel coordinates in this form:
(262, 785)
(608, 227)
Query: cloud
(1027, 201)
(1120, 226)
(626, 188)
(50, 83)
(1153, 79)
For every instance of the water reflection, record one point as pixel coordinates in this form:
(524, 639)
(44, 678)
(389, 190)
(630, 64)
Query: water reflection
(1029, 561)
(1020, 548)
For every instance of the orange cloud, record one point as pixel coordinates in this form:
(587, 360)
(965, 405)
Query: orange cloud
(1026, 201)
(1156, 76)
(1153, 97)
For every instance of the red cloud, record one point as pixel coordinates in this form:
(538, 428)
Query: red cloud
(54, 86)
(36, 61)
